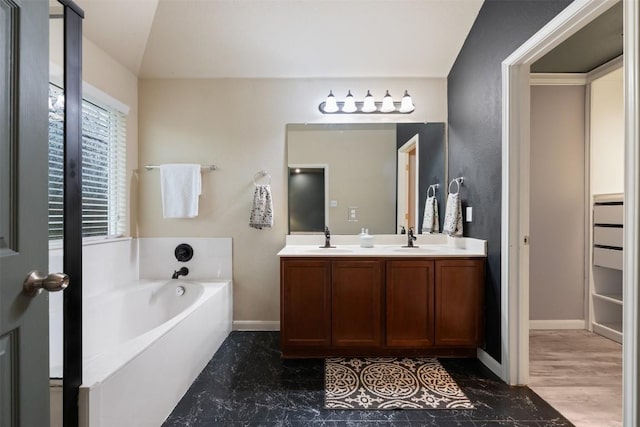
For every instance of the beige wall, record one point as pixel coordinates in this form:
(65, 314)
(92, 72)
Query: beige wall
(607, 134)
(240, 125)
(102, 72)
(557, 248)
(361, 169)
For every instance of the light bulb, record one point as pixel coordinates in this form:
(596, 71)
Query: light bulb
(387, 104)
(330, 105)
(349, 104)
(369, 105)
(406, 105)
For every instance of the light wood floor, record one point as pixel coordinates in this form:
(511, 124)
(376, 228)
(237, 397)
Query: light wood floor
(579, 373)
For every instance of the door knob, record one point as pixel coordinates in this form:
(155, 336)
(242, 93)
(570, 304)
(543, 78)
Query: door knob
(36, 282)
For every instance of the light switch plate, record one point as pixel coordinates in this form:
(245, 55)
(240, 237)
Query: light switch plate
(469, 214)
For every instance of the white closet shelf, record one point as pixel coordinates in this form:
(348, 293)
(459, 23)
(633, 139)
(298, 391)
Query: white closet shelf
(608, 255)
(615, 298)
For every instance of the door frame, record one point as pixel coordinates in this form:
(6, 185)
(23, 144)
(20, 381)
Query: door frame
(514, 368)
(403, 184)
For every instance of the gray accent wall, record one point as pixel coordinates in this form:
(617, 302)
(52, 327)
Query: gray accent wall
(475, 127)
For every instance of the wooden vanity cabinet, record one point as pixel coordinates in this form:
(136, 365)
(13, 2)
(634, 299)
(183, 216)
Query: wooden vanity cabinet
(459, 294)
(356, 303)
(410, 304)
(381, 306)
(305, 311)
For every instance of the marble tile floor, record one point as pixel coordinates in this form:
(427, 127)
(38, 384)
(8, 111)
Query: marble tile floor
(579, 373)
(246, 383)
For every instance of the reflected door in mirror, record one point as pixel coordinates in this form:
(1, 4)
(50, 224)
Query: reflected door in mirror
(306, 200)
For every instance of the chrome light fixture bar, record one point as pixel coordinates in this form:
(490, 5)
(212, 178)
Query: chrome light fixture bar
(368, 105)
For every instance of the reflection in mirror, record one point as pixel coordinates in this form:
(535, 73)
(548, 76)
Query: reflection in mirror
(375, 175)
(307, 199)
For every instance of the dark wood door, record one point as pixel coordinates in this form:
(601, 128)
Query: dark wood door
(459, 296)
(410, 304)
(356, 290)
(305, 314)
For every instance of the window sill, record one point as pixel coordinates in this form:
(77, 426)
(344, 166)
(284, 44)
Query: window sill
(57, 244)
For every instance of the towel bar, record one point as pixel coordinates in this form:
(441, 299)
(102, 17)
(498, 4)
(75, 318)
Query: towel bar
(459, 181)
(204, 167)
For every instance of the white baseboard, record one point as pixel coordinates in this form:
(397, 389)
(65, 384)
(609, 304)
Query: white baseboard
(557, 324)
(490, 363)
(256, 325)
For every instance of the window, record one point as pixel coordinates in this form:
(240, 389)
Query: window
(103, 168)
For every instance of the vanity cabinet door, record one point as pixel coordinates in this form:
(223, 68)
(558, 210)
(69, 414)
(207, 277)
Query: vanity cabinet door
(459, 295)
(410, 304)
(305, 303)
(356, 295)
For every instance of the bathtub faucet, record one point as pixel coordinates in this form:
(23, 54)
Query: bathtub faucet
(182, 272)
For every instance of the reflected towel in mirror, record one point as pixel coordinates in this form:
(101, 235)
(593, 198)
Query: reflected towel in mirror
(431, 220)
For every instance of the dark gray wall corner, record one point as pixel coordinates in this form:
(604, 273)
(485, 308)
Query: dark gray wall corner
(475, 126)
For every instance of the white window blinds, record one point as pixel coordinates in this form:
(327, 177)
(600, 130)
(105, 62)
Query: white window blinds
(103, 168)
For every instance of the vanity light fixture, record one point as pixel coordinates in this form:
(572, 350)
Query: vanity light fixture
(368, 105)
(349, 104)
(330, 105)
(387, 104)
(406, 105)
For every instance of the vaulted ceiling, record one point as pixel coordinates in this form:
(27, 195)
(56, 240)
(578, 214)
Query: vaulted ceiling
(281, 38)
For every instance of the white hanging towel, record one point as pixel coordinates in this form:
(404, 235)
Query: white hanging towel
(181, 186)
(262, 209)
(453, 216)
(431, 220)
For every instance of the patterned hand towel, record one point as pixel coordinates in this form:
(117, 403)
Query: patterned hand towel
(430, 220)
(262, 209)
(453, 216)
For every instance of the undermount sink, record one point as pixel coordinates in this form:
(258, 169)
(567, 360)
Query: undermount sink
(415, 250)
(328, 251)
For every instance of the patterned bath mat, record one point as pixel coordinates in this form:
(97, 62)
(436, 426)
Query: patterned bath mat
(390, 383)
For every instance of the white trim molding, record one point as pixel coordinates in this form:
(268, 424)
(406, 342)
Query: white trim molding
(557, 324)
(558, 79)
(256, 325)
(605, 69)
(631, 270)
(489, 362)
(516, 91)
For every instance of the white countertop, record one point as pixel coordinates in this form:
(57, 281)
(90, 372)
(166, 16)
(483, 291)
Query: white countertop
(384, 246)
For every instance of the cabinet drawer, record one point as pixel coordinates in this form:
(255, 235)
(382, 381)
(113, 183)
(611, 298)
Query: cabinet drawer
(608, 214)
(611, 258)
(608, 236)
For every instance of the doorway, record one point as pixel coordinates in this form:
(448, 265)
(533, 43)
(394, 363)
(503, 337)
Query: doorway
(408, 178)
(516, 183)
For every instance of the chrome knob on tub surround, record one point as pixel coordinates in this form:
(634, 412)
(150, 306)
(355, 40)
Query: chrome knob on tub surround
(36, 282)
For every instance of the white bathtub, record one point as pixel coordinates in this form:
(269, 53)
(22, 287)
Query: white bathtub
(145, 345)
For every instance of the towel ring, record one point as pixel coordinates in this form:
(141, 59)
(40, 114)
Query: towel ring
(432, 187)
(458, 181)
(261, 174)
